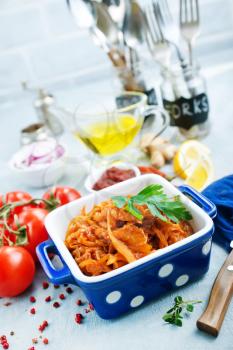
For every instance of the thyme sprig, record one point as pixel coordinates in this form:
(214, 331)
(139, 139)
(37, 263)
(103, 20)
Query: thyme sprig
(174, 315)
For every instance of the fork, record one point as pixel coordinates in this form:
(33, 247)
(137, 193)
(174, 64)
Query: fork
(168, 27)
(157, 44)
(189, 23)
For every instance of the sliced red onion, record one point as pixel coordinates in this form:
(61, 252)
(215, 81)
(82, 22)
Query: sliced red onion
(43, 148)
(60, 151)
(38, 153)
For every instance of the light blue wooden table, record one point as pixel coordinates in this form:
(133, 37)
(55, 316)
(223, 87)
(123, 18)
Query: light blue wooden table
(144, 328)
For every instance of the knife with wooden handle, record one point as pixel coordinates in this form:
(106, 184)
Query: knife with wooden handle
(220, 297)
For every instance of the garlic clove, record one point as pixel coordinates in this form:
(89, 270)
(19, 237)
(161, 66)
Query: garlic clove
(146, 141)
(158, 141)
(169, 152)
(157, 159)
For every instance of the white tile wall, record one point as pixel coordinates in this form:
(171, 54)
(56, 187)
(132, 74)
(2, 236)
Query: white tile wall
(40, 42)
(13, 69)
(21, 27)
(58, 18)
(64, 56)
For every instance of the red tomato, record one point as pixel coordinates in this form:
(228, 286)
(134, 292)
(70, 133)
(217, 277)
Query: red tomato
(63, 194)
(6, 235)
(17, 270)
(1, 200)
(17, 196)
(33, 219)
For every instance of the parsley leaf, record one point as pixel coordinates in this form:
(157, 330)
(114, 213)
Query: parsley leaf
(119, 201)
(133, 210)
(159, 204)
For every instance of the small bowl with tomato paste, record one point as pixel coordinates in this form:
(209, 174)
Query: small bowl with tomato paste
(105, 177)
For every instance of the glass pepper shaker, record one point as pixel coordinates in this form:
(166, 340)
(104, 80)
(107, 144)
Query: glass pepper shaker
(43, 105)
(184, 96)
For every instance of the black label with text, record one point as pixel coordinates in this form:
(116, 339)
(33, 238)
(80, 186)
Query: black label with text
(187, 112)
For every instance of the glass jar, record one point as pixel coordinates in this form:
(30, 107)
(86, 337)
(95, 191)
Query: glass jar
(43, 106)
(184, 96)
(131, 77)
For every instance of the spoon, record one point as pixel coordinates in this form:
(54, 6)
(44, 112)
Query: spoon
(134, 30)
(220, 296)
(107, 25)
(117, 9)
(85, 16)
(135, 25)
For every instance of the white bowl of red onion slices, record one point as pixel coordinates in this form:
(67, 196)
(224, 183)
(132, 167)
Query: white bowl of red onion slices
(39, 164)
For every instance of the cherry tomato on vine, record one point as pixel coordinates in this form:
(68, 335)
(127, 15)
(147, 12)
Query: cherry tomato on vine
(62, 194)
(1, 200)
(6, 237)
(33, 220)
(17, 270)
(16, 196)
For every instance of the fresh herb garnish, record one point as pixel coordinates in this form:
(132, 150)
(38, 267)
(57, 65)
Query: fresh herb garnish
(175, 314)
(159, 204)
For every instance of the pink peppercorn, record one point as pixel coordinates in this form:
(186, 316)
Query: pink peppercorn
(78, 318)
(3, 339)
(4, 342)
(32, 348)
(45, 285)
(48, 299)
(62, 296)
(33, 311)
(45, 341)
(32, 299)
(79, 302)
(91, 306)
(56, 286)
(69, 290)
(56, 304)
(43, 326)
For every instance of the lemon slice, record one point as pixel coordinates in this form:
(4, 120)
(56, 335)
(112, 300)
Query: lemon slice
(193, 163)
(202, 175)
(188, 157)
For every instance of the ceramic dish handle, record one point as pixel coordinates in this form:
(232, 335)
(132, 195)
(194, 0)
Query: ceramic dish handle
(56, 276)
(200, 200)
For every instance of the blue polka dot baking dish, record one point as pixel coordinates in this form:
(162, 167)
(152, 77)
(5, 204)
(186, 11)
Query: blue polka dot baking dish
(132, 285)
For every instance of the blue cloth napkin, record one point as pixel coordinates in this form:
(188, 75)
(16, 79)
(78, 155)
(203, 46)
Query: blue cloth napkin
(221, 194)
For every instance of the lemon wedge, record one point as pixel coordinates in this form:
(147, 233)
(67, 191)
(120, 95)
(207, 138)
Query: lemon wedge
(202, 175)
(193, 163)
